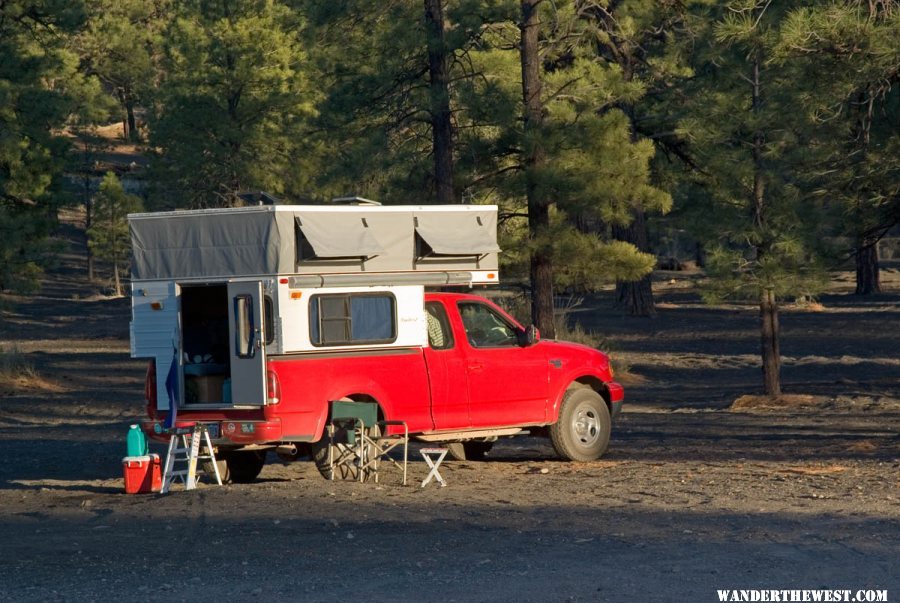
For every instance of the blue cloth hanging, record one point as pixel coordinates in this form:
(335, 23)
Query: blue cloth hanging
(172, 391)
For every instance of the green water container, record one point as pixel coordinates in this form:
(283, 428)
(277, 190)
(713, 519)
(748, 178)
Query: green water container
(137, 443)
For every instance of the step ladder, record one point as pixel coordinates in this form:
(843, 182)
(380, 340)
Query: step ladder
(184, 447)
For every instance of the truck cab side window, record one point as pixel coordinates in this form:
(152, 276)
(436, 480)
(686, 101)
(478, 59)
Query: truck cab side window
(440, 336)
(485, 328)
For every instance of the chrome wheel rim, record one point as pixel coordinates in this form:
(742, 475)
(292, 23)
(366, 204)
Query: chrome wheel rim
(586, 426)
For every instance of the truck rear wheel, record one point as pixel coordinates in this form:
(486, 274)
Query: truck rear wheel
(238, 466)
(320, 452)
(582, 431)
(244, 466)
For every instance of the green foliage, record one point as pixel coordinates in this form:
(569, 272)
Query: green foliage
(855, 111)
(40, 88)
(232, 103)
(108, 236)
(117, 45)
(761, 230)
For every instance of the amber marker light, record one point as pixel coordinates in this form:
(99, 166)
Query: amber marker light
(491, 276)
(296, 294)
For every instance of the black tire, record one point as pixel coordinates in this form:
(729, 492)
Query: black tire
(243, 466)
(320, 451)
(582, 431)
(468, 451)
(207, 467)
(320, 456)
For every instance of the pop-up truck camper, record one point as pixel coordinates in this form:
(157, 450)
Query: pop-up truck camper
(257, 320)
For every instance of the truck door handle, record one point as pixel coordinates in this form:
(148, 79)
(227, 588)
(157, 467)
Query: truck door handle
(475, 366)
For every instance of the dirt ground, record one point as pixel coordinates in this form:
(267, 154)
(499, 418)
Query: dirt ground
(693, 496)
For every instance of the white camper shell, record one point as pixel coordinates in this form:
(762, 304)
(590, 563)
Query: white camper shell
(214, 292)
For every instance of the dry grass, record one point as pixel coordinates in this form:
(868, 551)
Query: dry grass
(18, 374)
(815, 469)
(793, 401)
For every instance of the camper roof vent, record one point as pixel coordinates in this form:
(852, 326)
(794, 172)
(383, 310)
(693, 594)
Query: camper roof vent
(259, 198)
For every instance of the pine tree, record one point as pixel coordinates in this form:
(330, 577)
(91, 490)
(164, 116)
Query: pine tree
(38, 89)
(389, 118)
(576, 154)
(233, 102)
(856, 111)
(645, 40)
(750, 143)
(108, 236)
(118, 45)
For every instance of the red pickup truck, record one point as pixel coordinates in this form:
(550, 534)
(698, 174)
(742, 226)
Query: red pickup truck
(260, 318)
(482, 376)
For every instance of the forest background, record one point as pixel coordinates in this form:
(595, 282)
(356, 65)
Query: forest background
(757, 139)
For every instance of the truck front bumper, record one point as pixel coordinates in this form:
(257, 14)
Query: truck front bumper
(616, 398)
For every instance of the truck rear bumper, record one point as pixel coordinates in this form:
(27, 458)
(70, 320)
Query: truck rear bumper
(223, 432)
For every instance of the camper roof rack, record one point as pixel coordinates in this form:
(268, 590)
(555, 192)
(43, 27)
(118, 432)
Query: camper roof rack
(355, 200)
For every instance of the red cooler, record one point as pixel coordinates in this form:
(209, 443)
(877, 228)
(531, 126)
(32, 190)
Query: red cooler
(142, 474)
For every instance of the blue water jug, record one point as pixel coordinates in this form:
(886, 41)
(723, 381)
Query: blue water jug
(137, 443)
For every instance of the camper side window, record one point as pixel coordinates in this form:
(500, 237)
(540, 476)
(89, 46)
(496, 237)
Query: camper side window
(352, 319)
(243, 321)
(269, 319)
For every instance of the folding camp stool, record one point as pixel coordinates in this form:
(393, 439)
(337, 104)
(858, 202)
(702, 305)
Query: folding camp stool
(434, 457)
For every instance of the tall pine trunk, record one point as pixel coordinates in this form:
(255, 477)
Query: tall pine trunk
(534, 159)
(439, 89)
(768, 307)
(868, 279)
(131, 120)
(635, 296)
(88, 209)
(769, 338)
(116, 279)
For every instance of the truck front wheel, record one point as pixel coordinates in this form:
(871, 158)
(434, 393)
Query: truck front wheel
(582, 431)
(469, 451)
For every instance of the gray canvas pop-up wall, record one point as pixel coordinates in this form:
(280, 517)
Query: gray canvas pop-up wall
(250, 241)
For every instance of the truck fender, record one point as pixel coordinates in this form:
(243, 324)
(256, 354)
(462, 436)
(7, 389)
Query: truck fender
(585, 381)
(358, 396)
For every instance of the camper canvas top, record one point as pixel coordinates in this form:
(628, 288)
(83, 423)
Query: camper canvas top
(315, 240)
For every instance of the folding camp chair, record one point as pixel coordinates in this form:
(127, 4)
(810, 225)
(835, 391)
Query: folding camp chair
(359, 441)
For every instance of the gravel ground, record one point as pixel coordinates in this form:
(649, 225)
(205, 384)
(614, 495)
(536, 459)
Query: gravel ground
(691, 497)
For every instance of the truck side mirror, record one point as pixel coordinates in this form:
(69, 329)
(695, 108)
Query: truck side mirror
(529, 336)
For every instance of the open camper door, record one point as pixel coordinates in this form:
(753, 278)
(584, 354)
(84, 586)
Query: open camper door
(245, 329)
